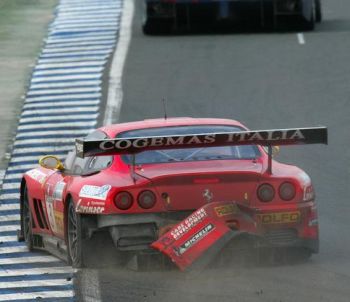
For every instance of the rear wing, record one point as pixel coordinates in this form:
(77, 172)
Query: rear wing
(133, 145)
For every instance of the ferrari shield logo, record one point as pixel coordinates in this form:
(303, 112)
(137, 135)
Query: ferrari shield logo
(208, 195)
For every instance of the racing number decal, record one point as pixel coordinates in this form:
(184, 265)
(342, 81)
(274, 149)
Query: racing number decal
(49, 207)
(53, 194)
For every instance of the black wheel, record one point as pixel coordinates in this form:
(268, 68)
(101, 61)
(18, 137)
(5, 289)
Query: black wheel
(74, 236)
(154, 25)
(309, 25)
(318, 11)
(27, 220)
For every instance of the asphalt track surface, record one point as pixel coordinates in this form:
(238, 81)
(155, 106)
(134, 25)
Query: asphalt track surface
(265, 80)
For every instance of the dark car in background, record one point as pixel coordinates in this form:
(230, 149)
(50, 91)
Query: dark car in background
(164, 16)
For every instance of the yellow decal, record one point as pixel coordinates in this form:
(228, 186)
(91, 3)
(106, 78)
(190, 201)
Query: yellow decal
(225, 210)
(282, 217)
(59, 221)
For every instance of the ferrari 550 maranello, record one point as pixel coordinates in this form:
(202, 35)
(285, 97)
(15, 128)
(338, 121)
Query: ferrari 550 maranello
(141, 182)
(163, 16)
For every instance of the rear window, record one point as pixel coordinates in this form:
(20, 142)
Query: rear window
(192, 154)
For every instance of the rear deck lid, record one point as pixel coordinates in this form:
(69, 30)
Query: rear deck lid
(187, 186)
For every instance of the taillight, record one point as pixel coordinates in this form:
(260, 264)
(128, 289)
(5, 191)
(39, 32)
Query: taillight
(123, 200)
(266, 193)
(146, 199)
(287, 191)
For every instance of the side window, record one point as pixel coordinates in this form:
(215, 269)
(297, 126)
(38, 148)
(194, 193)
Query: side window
(79, 165)
(82, 165)
(68, 163)
(100, 162)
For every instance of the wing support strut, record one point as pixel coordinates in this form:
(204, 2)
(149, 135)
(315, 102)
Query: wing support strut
(269, 164)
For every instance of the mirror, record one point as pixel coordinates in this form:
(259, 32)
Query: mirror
(275, 150)
(51, 162)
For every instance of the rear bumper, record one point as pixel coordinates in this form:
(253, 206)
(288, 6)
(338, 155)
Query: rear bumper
(261, 11)
(311, 244)
(132, 232)
(138, 231)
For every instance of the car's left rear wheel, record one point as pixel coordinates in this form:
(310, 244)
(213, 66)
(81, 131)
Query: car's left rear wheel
(318, 9)
(27, 220)
(74, 236)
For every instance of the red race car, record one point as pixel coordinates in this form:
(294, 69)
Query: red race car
(135, 181)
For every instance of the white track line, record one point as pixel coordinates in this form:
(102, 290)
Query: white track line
(301, 38)
(31, 259)
(60, 104)
(66, 78)
(8, 228)
(35, 296)
(48, 141)
(14, 176)
(10, 250)
(53, 125)
(28, 134)
(11, 217)
(44, 110)
(7, 207)
(115, 90)
(67, 117)
(31, 283)
(7, 239)
(70, 65)
(38, 271)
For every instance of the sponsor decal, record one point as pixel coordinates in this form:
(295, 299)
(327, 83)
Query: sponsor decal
(246, 197)
(259, 137)
(188, 223)
(208, 195)
(282, 217)
(195, 238)
(225, 210)
(50, 207)
(52, 194)
(58, 191)
(59, 222)
(97, 203)
(313, 222)
(89, 208)
(37, 175)
(236, 137)
(95, 192)
(79, 147)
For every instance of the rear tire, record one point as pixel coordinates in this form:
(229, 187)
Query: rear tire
(75, 238)
(154, 26)
(318, 11)
(309, 25)
(27, 220)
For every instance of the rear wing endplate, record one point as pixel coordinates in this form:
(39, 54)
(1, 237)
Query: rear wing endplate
(133, 145)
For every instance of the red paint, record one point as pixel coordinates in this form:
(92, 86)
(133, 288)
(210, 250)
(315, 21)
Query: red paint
(185, 184)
